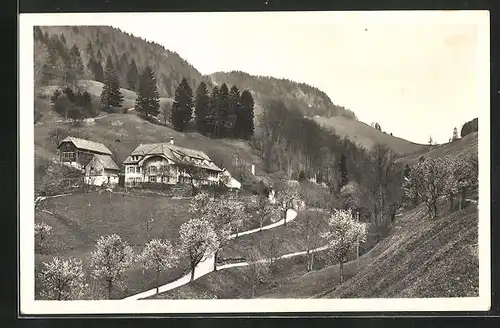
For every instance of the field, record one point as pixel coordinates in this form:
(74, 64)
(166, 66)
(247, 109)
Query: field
(80, 219)
(366, 136)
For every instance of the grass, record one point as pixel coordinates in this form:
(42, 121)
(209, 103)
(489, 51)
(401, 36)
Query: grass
(419, 258)
(435, 258)
(234, 282)
(366, 136)
(460, 147)
(80, 219)
(122, 133)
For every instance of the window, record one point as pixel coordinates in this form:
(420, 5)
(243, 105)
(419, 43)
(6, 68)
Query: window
(68, 156)
(166, 179)
(152, 178)
(131, 169)
(152, 170)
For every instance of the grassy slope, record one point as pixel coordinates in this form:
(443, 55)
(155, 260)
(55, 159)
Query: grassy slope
(42, 98)
(421, 258)
(366, 136)
(234, 282)
(460, 147)
(123, 132)
(80, 219)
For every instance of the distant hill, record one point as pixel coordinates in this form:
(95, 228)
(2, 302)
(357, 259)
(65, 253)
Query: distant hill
(366, 136)
(308, 99)
(169, 67)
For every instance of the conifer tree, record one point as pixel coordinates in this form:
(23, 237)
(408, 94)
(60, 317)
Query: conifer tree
(344, 179)
(111, 96)
(90, 49)
(75, 65)
(132, 76)
(182, 108)
(247, 114)
(234, 111)
(38, 35)
(224, 110)
(202, 107)
(148, 100)
(214, 117)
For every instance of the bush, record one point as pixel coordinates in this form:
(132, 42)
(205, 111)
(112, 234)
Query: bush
(469, 127)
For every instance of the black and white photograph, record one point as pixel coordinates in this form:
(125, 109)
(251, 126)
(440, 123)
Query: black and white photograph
(233, 162)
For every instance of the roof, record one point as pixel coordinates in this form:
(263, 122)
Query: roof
(107, 162)
(174, 153)
(87, 145)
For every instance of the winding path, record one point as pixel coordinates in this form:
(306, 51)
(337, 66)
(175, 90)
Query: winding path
(207, 265)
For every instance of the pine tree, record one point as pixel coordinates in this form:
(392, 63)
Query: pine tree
(75, 65)
(344, 179)
(37, 34)
(99, 55)
(182, 108)
(455, 134)
(247, 115)
(234, 112)
(132, 76)
(148, 100)
(214, 117)
(224, 110)
(111, 96)
(90, 49)
(202, 107)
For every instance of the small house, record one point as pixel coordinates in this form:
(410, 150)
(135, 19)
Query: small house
(93, 158)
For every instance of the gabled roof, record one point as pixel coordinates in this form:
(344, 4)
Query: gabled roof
(92, 146)
(174, 153)
(106, 161)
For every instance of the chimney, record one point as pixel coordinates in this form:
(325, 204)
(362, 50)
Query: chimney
(172, 140)
(253, 169)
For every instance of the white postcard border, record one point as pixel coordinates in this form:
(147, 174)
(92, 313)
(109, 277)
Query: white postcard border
(30, 306)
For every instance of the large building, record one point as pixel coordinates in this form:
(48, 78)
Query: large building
(170, 164)
(93, 158)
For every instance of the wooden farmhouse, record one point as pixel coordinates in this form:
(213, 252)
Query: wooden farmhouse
(169, 164)
(93, 158)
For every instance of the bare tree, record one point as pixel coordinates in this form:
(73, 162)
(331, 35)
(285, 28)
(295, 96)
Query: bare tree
(42, 232)
(309, 228)
(258, 269)
(383, 178)
(195, 174)
(57, 134)
(41, 56)
(271, 249)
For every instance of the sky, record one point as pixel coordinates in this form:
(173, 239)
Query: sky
(414, 74)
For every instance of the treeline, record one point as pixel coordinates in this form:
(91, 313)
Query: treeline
(299, 146)
(221, 112)
(369, 182)
(310, 100)
(129, 55)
